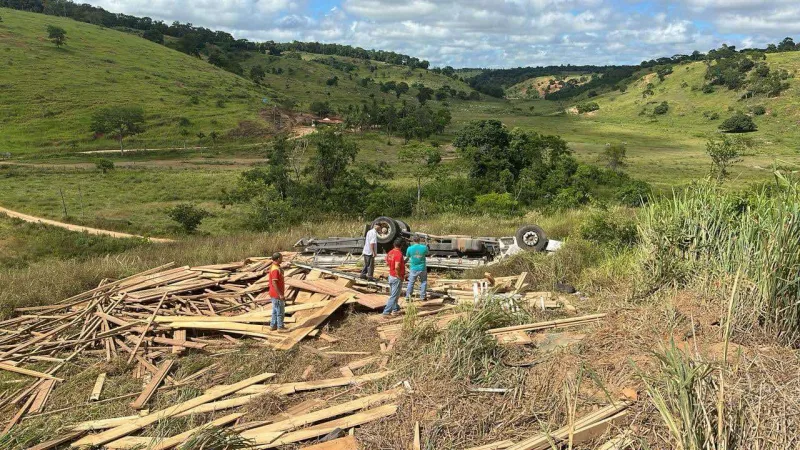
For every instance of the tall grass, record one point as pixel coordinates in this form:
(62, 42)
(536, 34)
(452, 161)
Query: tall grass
(705, 235)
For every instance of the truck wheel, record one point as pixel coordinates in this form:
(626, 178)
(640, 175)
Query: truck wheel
(403, 226)
(531, 237)
(388, 230)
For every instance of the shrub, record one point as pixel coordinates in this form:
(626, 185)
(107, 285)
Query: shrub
(587, 107)
(496, 204)
(634, 193)
(188, 216)
(194, 100)
(104, 165)
(708, 89)
(759, 110)
(607, 228)
(661, 109)
(738, 123)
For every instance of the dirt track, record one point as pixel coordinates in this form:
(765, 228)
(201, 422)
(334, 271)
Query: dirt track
(33, 219)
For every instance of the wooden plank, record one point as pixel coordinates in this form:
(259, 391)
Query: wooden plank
(325, 428)
(417, 444)
(98, 387)
(345, 443)
(53, 443)
(500, 445)
(146, 327)
(28, 372)
(178, 438)
(297, 334)
(41, 396)
(157, 379)
(261, 434)
(307, 372)
(14, 420)
(346, 371)
(550, 324)
(179, 335)
(135, 425)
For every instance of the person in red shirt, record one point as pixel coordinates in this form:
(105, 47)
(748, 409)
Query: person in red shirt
(276, 293)
(397, 273)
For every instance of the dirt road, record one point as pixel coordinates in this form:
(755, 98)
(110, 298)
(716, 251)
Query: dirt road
(33, 219)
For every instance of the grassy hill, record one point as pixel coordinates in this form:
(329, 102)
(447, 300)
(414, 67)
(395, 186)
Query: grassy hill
(48, 94)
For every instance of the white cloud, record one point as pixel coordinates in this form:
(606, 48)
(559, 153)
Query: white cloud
(494, 33)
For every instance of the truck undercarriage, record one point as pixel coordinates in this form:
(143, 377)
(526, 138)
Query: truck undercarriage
(450, 252)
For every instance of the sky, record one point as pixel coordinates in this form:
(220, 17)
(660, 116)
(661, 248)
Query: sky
(494, 33)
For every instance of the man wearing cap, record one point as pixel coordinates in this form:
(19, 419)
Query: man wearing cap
(416, 255)
(276, 292)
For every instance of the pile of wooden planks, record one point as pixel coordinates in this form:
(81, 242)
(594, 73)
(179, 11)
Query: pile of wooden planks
(151, 317)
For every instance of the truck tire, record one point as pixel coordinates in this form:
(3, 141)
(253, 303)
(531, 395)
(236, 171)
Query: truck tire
(388, 231)
(531, 237)
(403, 226)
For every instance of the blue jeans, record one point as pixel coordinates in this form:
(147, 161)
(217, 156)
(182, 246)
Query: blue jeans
(394, 295)
(423, 287)
(278, 310)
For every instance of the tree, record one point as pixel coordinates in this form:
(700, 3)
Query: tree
(615, 155)
(188, 216)
(57, 35)
(332, 156)
(401, 88)
(320, 109)
(424, 94)
(154, 35)
(423, 162)
(214, 136)
(278, 157)
(661, 109)
(738, 123)
(257, 73)
(104, 165)
(723, 152)
(122, 120)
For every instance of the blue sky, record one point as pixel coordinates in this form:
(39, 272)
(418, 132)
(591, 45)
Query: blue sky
(494, 33)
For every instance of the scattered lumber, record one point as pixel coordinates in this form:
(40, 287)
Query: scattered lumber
(151, 387)
(560, 323)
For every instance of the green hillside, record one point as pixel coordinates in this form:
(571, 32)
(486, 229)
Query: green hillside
(48, 94)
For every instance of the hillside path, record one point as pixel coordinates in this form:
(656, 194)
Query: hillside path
(79, 228)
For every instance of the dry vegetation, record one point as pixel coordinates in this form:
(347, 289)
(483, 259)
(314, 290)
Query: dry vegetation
(698, 329)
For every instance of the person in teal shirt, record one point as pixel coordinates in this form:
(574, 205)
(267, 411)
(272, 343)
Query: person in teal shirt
(416, 254)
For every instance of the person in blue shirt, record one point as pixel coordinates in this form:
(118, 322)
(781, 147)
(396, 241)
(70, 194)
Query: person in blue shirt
(415, 255)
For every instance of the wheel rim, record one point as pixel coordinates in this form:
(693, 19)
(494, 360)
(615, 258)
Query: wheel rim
(530, 238)
(384, 229)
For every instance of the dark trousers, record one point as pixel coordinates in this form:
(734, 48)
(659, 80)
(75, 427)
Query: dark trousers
(369, 266)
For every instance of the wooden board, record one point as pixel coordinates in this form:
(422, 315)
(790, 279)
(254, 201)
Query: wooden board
(297, 334)
(345, 443)
(151, 387)
(98, 387)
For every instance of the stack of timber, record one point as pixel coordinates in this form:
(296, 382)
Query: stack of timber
(150, 318)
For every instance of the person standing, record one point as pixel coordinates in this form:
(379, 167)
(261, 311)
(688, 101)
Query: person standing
(276, 292)
(397, 273)
(416, 255)
(369, 252)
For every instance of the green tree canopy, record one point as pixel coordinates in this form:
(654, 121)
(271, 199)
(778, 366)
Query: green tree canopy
(57, 35)
(121, 120)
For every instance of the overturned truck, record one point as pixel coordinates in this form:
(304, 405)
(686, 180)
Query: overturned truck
(450, 251)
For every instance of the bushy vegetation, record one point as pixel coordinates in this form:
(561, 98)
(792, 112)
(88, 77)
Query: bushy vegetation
(738, 123)
(661, 109)
(737, 70)
(587, 107)
(188, 216)
(705, 233)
